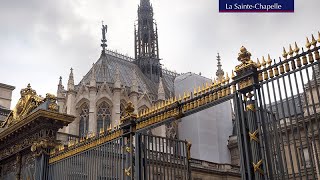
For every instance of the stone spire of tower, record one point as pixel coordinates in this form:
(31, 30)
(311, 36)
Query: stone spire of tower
(71, 80)
(60, 87)
(145, 3)
(220, 72)
(93, 76)
(146, 42)
(117, 82)
(161, 93)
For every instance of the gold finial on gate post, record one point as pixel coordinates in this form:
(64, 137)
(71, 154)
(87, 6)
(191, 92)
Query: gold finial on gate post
(244, 82)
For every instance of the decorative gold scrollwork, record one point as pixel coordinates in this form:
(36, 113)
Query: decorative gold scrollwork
(253, 136)
(42, 146)
(128, 171)
(256, 167)
(29, 101)
(128, 149)
(250, 107)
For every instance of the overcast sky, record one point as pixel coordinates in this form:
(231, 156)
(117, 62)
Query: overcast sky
(41, 40)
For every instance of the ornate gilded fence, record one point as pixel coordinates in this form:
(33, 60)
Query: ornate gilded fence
(277, 114)
(276, 105)
(110, 157)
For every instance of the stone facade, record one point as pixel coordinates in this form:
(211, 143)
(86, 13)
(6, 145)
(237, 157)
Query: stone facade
(6, 95)
(5, 100)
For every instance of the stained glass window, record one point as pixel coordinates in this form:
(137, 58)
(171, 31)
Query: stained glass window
(84, 120)
(103, 116)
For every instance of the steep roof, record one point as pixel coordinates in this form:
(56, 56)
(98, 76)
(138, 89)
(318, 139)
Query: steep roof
(106, 66)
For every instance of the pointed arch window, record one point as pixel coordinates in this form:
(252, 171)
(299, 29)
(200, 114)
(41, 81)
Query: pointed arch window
(103, 116)
(84, 120)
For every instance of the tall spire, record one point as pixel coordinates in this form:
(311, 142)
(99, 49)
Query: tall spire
(104, 40)
(219, 72)
(71, 80)
(60, 86)
(145, 3)
(146, 42)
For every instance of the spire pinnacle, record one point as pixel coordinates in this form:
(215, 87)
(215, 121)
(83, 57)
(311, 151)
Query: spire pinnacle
(144, 2)
(71, 80)
(103, 40)
(60, 80)
(220, 72)
(60, 87)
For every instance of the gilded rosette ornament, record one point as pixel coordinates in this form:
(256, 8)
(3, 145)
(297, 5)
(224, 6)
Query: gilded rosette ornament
(28, 102)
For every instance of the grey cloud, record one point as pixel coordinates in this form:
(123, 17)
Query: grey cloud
(41, 40)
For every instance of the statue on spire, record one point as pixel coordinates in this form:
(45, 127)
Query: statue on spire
(104, 40)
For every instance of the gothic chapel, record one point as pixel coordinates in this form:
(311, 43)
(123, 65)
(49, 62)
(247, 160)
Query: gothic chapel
(98, 100)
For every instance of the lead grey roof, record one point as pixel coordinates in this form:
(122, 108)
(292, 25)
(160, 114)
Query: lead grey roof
(106, 67)
(287, 108)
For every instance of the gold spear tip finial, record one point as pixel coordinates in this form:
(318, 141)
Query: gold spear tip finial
(290, 50)
(308, 44)
(258, 63)
(296, 48)
(227, 77)
(313, 41)
(232, 74)
(285, 54)
(269, 60)
(319, 36)
(263, 62)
